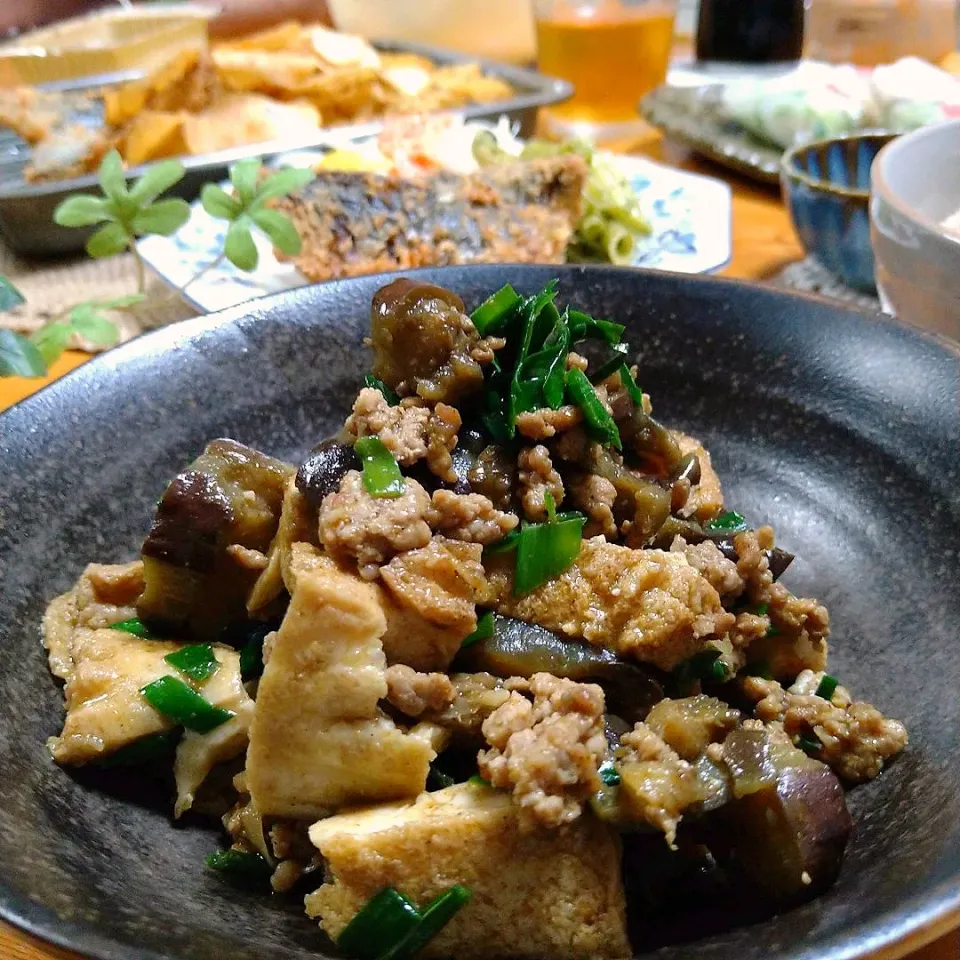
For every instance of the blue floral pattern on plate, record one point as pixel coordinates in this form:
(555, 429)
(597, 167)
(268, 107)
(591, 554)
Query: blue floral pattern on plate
(689, 215)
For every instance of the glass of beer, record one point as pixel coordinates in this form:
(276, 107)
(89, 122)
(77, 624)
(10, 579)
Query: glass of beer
(612, 51)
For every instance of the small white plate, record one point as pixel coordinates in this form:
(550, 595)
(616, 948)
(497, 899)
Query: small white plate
(690, 216)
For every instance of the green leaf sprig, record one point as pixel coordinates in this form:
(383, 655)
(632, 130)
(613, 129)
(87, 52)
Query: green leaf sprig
(245, 208)
(125, 212)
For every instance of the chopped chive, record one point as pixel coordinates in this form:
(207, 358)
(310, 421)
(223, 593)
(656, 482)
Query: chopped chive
(240, 865)
(182, 704)
(705, 665)
(251, 657)
(197, 661)
(773, 631)
(483, 631)
(151, 747)
(382, 923)
(134, 626)
(759, 668)
(583, 325)
(600, 424)
(435, 916)
(371, 381)
(729, 522)
(827, 687)
(611, 366)
(494, 312)
(381, 473)
(808, 744)
(550, 505)
(761, 609)
(545, 550)
(626, 378)
(508, 543)
(553, 383)
(608, 773)
(478, 781)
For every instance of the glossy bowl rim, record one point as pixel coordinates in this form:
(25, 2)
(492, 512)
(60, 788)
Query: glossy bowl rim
(789, 170)
(882, 190)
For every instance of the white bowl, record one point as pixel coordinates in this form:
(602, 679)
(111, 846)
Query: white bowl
(915, 184)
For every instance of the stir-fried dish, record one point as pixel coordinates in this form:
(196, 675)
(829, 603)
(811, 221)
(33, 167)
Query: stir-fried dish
(493, 672)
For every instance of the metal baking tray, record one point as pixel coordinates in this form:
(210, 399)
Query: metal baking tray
(26, 209)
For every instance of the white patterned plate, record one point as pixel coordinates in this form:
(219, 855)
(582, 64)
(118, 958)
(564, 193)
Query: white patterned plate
(690, 216)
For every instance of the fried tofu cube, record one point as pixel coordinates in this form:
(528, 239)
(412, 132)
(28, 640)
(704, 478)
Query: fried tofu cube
(535, 894)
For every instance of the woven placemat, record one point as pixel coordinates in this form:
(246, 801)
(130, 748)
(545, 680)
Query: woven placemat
(811, 276)
(52, 286)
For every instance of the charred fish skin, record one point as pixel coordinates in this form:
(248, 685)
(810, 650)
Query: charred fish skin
(357, 223)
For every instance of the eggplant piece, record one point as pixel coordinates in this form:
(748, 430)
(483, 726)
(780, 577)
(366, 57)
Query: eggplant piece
(519, 649)
(324, 468)
(691, 531)
(493, 475)
(787, 825)
(640, 500)
(231, 494)
(422, 341)
(651, 444)
(687, 469)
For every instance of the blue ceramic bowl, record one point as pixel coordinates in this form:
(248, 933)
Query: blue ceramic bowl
(826, 185)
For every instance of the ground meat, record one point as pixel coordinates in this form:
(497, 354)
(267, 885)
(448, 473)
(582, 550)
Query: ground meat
(656, 785)
(800, 626)
(648, 605)
(409, 430)
(476, 696)
(706, 497)
(370, 530)
(720, 572)
(856, 738)
(413, 693)
(575, 361)
(441, 582)
(107, 594)
(537, 477)
(468, 516)
(542, 424)
(595, 496)
(548, 751)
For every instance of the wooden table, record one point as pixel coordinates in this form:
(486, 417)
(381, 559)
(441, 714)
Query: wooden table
(763, 242)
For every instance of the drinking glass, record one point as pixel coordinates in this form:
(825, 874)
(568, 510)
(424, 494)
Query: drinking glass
(612, 51)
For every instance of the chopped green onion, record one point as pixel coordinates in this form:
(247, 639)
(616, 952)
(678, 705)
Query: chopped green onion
(483, 632)
(134, 626)
(151, 747)
(381, 474)
(583, 325)
(494, 312)
(611, 366)
(600, 424)
(545, 550)
(550, 505)
(626, 378)
(827, 687)
(773, 631)
(705, 665)
(809, 744)
(198, 661)
(436, 915)
(477, 781)
(553, 382)
(384, 922)
(508, 543)
(608, 773)
(524, 393)
(729, 522)
(761, 609)
(240, 865)
(182, 704)
(371, 381)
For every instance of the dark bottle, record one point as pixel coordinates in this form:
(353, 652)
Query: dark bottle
(750, 31)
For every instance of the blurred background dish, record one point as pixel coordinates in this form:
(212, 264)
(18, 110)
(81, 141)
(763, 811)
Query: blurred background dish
(826, 185)
(915, 230)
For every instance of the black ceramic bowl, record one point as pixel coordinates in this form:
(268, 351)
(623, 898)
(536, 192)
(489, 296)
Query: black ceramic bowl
(840, 429)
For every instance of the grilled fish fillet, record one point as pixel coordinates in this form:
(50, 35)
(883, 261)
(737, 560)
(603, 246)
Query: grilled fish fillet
(357, 223)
